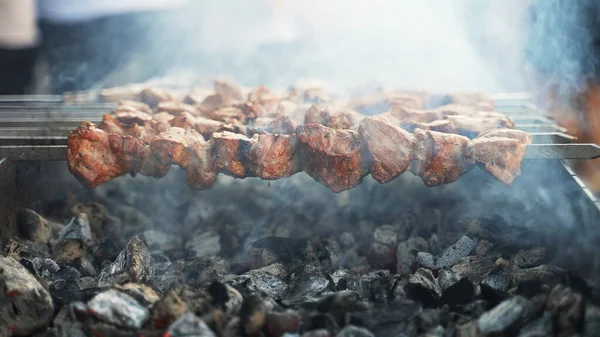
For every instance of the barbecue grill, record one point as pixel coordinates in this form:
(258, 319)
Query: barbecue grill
(548, 199)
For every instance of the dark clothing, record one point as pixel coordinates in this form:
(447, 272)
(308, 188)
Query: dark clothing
(16, 70)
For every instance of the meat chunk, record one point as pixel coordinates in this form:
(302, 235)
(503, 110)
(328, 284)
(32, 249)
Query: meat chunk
(184, 120)
(201, 171)
(332, 157)
(228, 114)
(499, 152)
(317, 114)
(440, 125)
(176, 108)
(229, 89)
(150, 167)
(390, 148)
(438, 157)
(95, 156)
(130, 116)
(281, 124)
(207, 127)
(153, 96)
(211, 103)
(172, 146)
(474, 99)
(111, 95)
(263, 98)
(143, 132)
(273, 156)
(110, 125)
(407, 100)
(471, 126)
(231, 153)
(139, 106)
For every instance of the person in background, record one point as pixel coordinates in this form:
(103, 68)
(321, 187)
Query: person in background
(564, 53)
(84, 43)
(18, 41)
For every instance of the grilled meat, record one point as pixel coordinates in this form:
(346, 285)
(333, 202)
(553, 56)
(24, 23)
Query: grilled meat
(499, 152)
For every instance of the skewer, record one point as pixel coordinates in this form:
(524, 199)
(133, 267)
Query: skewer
(534, 151)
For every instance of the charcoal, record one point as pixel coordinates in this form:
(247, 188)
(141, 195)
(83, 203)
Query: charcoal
(225, 297)
(497, 281)
(87, 283)
(567, 308)
(134, 264)
(447, 278)
(492, 295)
(44, 268)
(354, 331)
(84, 266)
(189, 325)
(18, 248)
(33, 226)
(156, 240)
(64, 292)
(25, 305)
(406, 253)
(382, 252)
(205, 244)
(375, 286)
(168, 309)
(540, 327)
(467, 330)
(437, 331)
(483, 247)
(423, 287)
(428, 319)
(397, 290)
(449, 256)
(476, 268)
(306, 281)
(279, 323)
(389, 319)
(118, 309)
(202, 271)
(318, 321)
(529, 258)
(142, 293)
(178, 300)
(97, 215)
(460, 293)
(545, 274)
(107, 251)
(317, 333)
(505, 319)
(591, 323)
(252, 315)
(340, 303)
(74, 240)
(342, 280)
(277, 249)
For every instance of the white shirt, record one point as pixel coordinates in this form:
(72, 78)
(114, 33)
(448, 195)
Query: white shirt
(80, 10)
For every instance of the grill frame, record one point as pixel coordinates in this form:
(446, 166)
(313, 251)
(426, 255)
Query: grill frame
(51, 119)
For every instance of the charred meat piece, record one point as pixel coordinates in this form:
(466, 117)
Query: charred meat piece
(499, 152)
(201, 171)
(407, 100)
(153, 96)
(172, 146)
(176, 108)
(438, 157)
(416, 115)
(207, 127)
(440, 125)
(229, 89)
(273, 156)
(228, 114)
(131, 116)
(281, 124)
(263, 97)
(110, 125)
(317, 114)
(471, 126)
(150, 167)
(332, 157)
(390, 148)
(143, 132)
(139, 106)
(231, 153)
(184, 120)
(474, 99)
(211, 103)
(95, 156)
(111, 95)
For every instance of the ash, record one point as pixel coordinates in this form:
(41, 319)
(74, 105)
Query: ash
(139, 256)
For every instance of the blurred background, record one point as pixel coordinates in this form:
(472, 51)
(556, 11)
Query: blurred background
(546, 47)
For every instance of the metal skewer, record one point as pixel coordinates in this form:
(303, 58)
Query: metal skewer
(534, 151)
